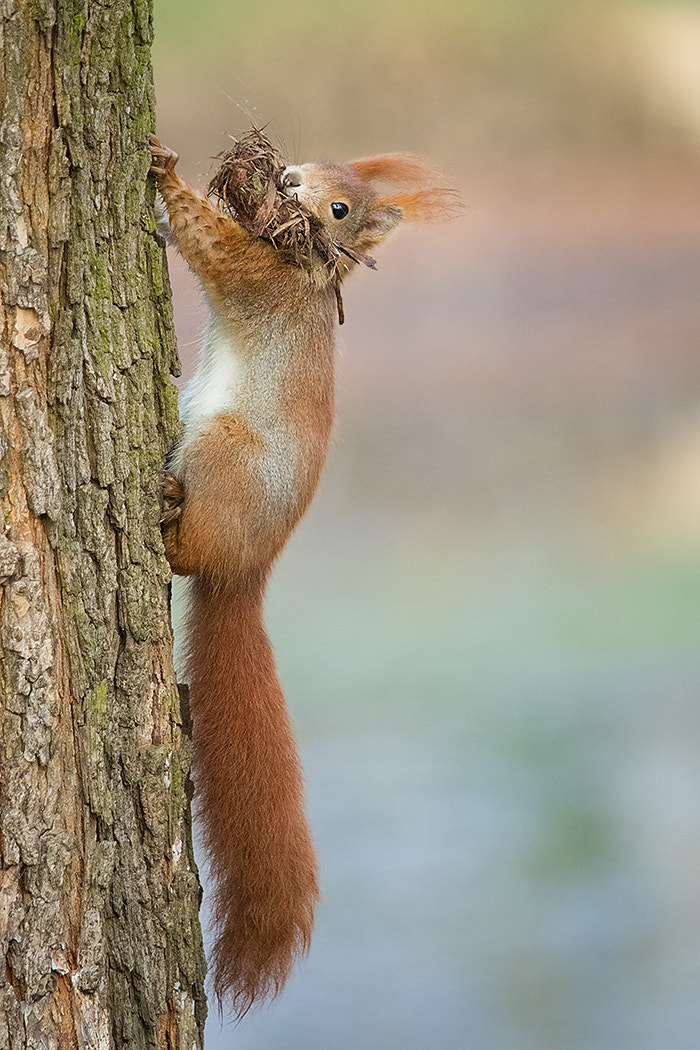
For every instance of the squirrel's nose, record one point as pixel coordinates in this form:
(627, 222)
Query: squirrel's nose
(292, 178)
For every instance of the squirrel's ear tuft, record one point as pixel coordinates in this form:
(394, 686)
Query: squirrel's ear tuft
(422, 199)
(426, 205)
(402, 169)
(386, 213)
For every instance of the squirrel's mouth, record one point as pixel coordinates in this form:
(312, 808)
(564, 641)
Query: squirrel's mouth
(290, 181)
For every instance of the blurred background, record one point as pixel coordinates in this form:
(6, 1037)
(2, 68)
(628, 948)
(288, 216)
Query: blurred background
(488, 626)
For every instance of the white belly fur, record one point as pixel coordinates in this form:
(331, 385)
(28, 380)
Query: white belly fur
(216, 385)
(225, 381)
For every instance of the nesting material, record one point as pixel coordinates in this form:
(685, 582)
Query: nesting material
(248, 183)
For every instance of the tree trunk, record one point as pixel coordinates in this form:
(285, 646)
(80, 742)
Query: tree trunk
(98, 889)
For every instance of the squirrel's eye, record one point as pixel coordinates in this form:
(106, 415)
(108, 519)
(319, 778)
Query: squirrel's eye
(339, 210)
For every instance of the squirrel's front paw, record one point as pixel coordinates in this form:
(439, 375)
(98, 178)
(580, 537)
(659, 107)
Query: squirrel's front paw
(163, 160)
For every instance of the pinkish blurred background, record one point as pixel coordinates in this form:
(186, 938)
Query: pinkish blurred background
(488, 627)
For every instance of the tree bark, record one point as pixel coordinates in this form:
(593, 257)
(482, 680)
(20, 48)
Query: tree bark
(99, 892)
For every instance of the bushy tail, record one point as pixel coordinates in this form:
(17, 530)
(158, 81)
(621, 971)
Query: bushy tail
(250, 795)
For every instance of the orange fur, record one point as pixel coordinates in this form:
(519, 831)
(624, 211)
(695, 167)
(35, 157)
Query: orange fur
(400, 168)
(258, 417)
(250, 793)
(425, 205)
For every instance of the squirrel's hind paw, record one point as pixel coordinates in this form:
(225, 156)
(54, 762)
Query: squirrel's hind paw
(173, 498)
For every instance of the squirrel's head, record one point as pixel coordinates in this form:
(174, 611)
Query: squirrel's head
(351, 201)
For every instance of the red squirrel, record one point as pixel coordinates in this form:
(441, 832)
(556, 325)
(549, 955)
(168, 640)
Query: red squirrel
(257, 420)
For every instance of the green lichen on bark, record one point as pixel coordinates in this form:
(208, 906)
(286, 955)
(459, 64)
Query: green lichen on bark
(98, 888)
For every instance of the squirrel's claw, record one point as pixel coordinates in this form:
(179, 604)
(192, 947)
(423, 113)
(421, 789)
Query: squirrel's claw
(163, 159)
